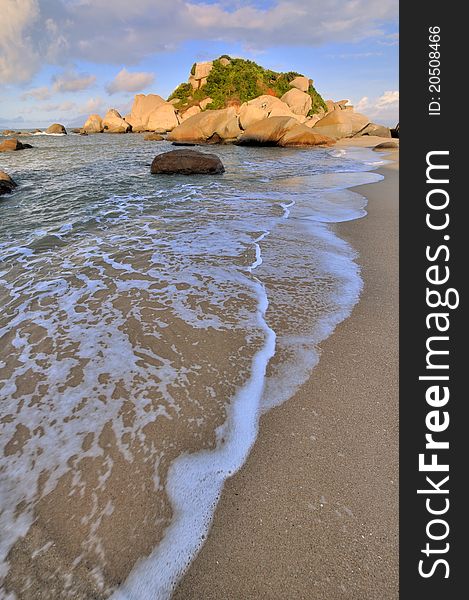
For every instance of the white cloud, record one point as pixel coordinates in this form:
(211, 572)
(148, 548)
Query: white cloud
(73, 82)
(362, 104)
(38, 93)
(390, 98)
(125, 81)
(66, 106)
(384, 109)
(36, 32)
(92, 105)
(19, 58)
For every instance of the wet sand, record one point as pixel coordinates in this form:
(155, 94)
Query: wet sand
(313, 513)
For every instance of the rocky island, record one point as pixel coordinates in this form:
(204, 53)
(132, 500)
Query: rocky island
(232, 100)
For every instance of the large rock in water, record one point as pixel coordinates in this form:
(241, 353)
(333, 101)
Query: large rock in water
(152, 113)
(13, 145)
(201, 127)
(282, 131)
(7, 184)
(114, 123)
(94, 124)
(56, 128)
(299, 102)
(186, 162)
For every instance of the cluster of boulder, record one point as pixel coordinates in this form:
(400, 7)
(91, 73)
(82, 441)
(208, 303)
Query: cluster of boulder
(285, 121)
(197, 124)
(56, 128)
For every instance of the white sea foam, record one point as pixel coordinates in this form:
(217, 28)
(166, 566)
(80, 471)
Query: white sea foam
(51, 134)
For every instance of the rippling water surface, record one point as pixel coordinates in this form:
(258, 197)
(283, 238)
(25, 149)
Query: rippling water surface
(146, 323)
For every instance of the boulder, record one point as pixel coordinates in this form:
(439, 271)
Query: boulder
(194, 82)
(94, 124)
(7, 184)
(190, 112)
(282, 131)
(153, 137)
(265, 102)
(387, 146)
(267, 132)
(141, 110)
(114, 123)
(395, 131)
(373, 129)
(56, 128)
(300, 135)
(340, 123)
(163, 118)
(335, 124)
(8, 132)
(201, 127)
(187, 162)
(199, 74)
(205, 102)
(249, 114)
(271, 106)
(301, 83)
(358, 121)
(229, 130)
(311, 121)
(225, 61)
(299, 102)
(13, 145)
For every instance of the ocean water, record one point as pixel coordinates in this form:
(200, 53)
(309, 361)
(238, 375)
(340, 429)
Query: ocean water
(146, 324)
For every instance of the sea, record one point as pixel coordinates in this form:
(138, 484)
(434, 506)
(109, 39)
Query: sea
(146, 324)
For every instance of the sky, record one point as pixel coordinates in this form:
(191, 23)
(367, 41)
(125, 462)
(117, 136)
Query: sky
(61, 60)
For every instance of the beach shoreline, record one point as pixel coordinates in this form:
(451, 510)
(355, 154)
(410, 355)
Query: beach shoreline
(313, 513)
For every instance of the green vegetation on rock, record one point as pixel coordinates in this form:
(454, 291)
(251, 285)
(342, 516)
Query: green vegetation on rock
(240, 81)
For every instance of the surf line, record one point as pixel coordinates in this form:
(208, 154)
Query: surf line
(258, 259)
(195, 481)
(286, 208)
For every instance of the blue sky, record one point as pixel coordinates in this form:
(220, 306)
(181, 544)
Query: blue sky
(61, 60)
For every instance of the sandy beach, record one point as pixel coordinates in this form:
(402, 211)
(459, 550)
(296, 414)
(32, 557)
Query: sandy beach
(313, 513)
